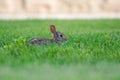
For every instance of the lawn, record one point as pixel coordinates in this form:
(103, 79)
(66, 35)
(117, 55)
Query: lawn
(92, 51)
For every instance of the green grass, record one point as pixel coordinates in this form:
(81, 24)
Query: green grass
(92, 51)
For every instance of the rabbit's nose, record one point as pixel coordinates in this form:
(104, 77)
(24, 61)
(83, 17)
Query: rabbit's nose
(65, 39)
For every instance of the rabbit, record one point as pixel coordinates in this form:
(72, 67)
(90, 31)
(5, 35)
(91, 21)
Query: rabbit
(58, 37)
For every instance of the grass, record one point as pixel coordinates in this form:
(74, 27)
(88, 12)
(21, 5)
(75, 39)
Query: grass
(91, 52)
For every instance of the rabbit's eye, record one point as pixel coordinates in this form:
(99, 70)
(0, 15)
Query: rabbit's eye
(61, 35)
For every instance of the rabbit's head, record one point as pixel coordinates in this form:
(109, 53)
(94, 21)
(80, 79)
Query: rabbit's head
(57, 36)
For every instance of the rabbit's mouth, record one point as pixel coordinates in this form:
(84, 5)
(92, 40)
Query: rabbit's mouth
(65, 39)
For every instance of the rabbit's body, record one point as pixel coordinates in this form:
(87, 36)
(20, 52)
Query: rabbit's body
(58, 37)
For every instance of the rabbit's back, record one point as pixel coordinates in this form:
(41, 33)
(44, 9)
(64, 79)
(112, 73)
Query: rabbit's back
(40, 41)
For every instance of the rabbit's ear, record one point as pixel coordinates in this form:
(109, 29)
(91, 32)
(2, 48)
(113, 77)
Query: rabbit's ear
(52, 28)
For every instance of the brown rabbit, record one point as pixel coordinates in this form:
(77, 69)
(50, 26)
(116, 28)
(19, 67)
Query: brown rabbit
(58, 37)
